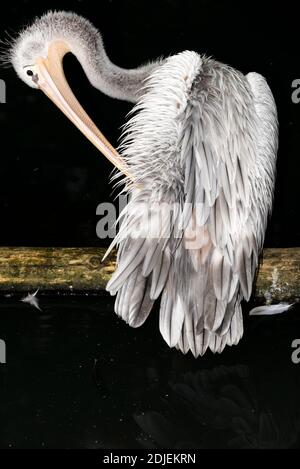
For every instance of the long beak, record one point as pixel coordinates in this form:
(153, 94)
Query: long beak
(52, 81)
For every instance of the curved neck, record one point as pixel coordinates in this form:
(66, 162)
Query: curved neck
(114, 81)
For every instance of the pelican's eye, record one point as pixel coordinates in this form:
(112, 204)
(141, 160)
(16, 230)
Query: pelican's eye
(32, 72)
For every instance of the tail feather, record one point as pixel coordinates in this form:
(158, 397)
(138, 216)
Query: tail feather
(211, 340)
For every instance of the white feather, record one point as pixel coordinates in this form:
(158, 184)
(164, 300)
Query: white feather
(32, 300)
(270, 310)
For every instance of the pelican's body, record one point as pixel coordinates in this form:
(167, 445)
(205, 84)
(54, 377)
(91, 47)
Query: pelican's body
(199, 156)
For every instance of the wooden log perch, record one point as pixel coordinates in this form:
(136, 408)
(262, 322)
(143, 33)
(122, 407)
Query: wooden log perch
(81, 269)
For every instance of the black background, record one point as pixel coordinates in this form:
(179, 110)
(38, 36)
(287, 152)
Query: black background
(77, 376)
(52, 179)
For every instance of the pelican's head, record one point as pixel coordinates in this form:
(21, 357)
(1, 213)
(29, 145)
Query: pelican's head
(55, 33)
(37, 55)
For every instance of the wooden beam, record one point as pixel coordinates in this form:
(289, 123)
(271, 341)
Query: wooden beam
(81, 269)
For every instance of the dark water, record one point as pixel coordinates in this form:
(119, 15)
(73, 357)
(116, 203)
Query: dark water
(77, 377)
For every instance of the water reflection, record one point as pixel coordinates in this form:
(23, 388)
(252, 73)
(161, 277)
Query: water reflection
(217, 408)
(76, 376)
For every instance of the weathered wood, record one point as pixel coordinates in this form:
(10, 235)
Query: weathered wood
(278, 276)
(81, 269)
(54, 269)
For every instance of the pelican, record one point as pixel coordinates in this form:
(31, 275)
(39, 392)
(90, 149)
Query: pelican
(198, 160)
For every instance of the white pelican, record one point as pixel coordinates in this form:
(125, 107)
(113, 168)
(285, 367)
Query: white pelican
(203, 142)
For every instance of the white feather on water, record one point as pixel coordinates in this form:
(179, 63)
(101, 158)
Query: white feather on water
(270, 310)
(32, 299)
